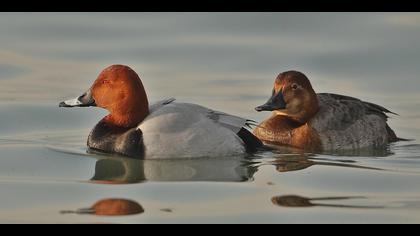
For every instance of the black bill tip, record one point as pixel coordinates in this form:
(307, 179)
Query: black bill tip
(259, 108)
(63, 104)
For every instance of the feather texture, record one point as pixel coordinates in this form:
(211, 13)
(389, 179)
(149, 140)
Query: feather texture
(344, 122)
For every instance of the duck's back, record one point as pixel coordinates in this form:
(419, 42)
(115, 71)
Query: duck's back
(187, 130)
(348, 123)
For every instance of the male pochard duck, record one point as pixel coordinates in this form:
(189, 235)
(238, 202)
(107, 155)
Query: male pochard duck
(321, 122)
(165, 129)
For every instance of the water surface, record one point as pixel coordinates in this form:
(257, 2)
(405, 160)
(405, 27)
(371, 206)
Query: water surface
(226, 61)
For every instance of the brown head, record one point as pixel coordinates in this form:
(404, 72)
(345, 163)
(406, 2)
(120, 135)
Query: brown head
(292, 96)
(119, 90)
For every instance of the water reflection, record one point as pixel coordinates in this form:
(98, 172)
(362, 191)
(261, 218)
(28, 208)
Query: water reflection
(367, 152)
(111, 207)
(118, 170)
(121, 170)
(300, 162)
(298, 201)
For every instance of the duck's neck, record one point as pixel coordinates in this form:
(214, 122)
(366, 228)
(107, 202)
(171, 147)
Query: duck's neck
(126, 120)
(285, 123)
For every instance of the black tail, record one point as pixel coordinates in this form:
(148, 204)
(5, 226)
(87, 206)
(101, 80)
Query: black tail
(252, 143)
(404, 139)
(392, 137)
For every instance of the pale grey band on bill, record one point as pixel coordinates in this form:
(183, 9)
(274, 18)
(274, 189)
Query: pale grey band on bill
(73, 102)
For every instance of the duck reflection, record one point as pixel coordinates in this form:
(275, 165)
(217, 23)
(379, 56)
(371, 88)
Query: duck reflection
(366, 152)
(111, 207)
(298, 201)
(286, 163)
(118, 170)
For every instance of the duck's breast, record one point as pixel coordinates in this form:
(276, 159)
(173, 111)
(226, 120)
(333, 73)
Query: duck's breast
(183, 130)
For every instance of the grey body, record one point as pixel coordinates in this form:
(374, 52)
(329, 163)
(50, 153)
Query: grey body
(344, 123)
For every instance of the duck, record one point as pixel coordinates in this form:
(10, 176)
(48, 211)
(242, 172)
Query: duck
(321, 122)
(163, 130)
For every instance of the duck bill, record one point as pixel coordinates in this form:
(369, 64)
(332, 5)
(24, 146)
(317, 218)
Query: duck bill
(276, 102)
(86, 100)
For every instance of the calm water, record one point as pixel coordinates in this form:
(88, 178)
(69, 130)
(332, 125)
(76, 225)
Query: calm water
(226, 61)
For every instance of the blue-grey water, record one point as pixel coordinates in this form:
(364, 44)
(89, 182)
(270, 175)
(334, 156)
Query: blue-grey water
(226, 61)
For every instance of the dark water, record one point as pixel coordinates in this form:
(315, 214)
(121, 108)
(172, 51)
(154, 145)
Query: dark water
(226, 61)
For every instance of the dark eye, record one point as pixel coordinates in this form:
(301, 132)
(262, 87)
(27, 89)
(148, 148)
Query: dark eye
(295, 86)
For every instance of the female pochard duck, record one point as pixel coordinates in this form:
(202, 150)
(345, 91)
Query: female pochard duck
(321, 122)
(165, 129)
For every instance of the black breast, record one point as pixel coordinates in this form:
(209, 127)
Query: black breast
(117, 140)
(251, 142)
